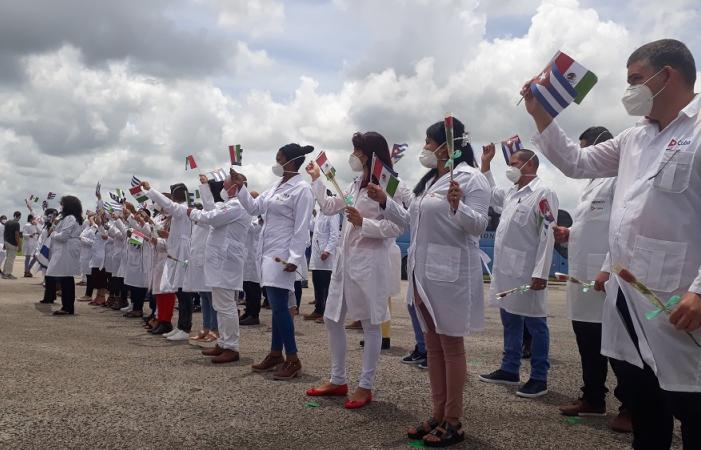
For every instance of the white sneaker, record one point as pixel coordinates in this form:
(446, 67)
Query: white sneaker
(179, 336)
(127, 308)
(170, 333)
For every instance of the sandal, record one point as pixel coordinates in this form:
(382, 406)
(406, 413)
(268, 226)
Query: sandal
(446, 435)
(423, 429)
(199, 336)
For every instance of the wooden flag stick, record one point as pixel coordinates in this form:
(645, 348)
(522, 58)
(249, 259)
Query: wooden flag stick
(449, 141)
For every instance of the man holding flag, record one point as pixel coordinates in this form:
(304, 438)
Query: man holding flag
(654, 231)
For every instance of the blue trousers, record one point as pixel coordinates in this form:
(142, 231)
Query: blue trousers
(513, 342)
(283, 325)
(418, 334)
(209, 315)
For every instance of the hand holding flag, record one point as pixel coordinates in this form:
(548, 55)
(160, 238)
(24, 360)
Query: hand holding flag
(138, 194)
(322, 161)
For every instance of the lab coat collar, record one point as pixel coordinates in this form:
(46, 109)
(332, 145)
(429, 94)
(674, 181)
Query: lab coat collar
(294, 181)
(532, 186)
(691, 110)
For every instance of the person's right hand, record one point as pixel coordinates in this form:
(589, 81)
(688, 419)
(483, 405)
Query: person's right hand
(533, 106)
(313, 170)
(146, 185)
(236, 178)
(562, 234)
(601, 278)
(376, 193)
(203, 179)
(324, 255)
(163, 234)
(488, 152)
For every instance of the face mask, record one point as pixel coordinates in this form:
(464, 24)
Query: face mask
(428, 158)
(355, 163)
(225, 195)
(279, 169)
(637, 99)
(514, 174)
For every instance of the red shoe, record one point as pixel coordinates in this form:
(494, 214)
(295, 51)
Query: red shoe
(338, 391)
(357, 404)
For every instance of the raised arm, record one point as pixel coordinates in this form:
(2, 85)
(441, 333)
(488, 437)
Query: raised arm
(327, 204)
(231, 211)
(169, 207)
(67, 230)
(254, 206)
(206, 193)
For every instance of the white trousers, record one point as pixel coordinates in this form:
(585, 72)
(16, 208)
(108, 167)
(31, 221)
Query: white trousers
(337, 343)
(224, 303)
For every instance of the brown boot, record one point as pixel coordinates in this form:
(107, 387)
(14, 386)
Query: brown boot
(226, 356)
(120, 303)
(622, 423)
(270, 362)
(214, 351)
(289, 370)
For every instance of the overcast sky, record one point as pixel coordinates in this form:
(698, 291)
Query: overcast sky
(102, 90)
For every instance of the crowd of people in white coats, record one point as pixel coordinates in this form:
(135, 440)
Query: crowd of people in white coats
(640, 209)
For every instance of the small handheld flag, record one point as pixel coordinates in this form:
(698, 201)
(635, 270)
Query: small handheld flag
(193, 196)
(138, 194)
(449, 142)
(216, 175)
(562, 82)
(135, 181)
(235, 153)
(511, 146)
(190, 162)
(517, 290)
(137, 238)
(325, 165)
(51, 196)
(44, 204)
(386, 177)
(586, 285)
(398, 152)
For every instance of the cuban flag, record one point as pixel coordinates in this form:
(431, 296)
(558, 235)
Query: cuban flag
(398, 152)
(562, 82)
(511, 146)
(135, 181)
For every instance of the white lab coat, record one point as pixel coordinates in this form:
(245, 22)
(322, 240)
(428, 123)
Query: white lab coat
(30, 236)
(65, 248)
(444, 256)
(139, 259)
(194, 280)
(87, 237)
(119, 224)
(178, 241)
(363, 275)
(654, 231)
(251, 267)
(587, 248)
(327, 230)
(286, 208)
(97, 251)
(225, 248)
(160, 255)
(523, 246)
(114, 250)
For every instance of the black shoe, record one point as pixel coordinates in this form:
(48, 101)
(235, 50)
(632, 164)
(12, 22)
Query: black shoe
(500, 377)
(415, 357)
(533, 388)
(197, 309)
(250, 320)
(162, 328)
(46, 302)
(385, 344)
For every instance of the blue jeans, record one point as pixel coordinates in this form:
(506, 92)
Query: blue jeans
(513, 342)
(209, 315)
(418, 334)
(283, 325)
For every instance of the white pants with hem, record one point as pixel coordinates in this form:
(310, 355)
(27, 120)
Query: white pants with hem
(224, 303)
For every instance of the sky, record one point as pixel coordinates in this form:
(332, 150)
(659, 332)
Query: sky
(100, 90)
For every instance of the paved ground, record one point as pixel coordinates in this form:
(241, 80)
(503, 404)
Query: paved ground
(98, 380)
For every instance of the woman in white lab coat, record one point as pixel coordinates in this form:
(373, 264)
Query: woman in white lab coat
(30, 237)
(446, 218)
(225, 251)
(65, 252)
(98, 255)
(362, 280)
(87, 237)
(324, 243)
(137, 275)
(286, 207)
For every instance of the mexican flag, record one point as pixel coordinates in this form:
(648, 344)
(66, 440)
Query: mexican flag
(580, 78)
(386, 177)
(137, 238)
(138, 194)
(235, 152)
(325, 165)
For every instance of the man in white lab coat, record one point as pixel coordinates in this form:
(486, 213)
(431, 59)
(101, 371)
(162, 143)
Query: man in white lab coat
(523, 249)
(654, 232)
(587, 262)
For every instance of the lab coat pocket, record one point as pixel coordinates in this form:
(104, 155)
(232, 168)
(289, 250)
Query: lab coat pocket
(514, 261)
(442, 263)
(658, 264)
(216, 257)
(521, 214)
(674, 172)
(235, 251)
(594, 263)
(360, 264)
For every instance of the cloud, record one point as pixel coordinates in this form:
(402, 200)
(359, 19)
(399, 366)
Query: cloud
(76, 118)
(256, 17)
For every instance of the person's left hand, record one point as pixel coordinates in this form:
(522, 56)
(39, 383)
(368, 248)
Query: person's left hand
(378, 194)
(354, 217)
(601, 279)
(454, 195)
(189, 211)
(163, 234)
(104, 237)
(687, 314)
(324, 255)
(290, 267)
(538, 284)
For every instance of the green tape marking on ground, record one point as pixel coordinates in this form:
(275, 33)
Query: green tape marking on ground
(574, 420)
(311, 405)
(417, 444)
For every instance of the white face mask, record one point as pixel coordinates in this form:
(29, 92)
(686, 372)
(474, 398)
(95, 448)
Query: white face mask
(637, 99)
(225, 195)
(279, 169)
(428, 158)
(355, 163)
(514, 174)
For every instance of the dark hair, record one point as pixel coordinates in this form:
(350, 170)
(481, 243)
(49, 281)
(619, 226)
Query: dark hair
(667, 52)
(292, 151)
(372, 143)
(71, 206)
(216, 187)
(594, 135)
(17, 214)
(30, 218)
(437, 133)
(146, 211)
(3, 217)
(178, 191)
(525, 154)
